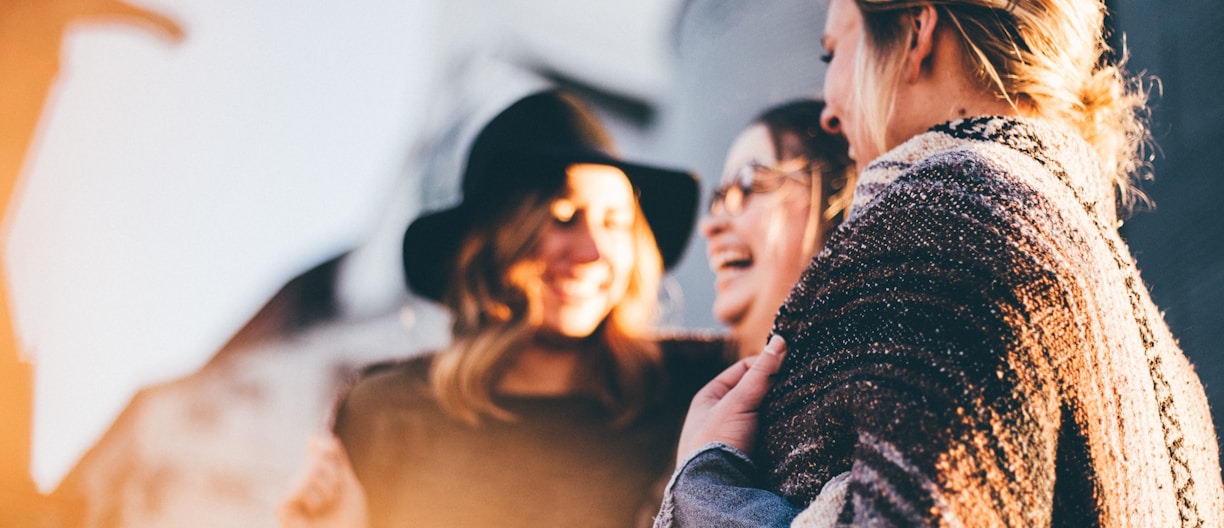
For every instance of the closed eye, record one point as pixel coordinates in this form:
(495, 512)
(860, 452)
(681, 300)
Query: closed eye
(619, 220)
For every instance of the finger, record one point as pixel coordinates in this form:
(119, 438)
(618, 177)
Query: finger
(753, 384)
(718, 387)
(339, 465)
(293, 511)
(770, 359)
(326, 442)
(316, 486)
(287, 512)
(289, 515)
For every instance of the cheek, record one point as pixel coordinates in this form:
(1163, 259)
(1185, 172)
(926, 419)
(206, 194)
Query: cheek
(622, 261)
(835, 84)
(752, 225)
(839, 81)
(547, 249)
(786, 253)
(831, 89)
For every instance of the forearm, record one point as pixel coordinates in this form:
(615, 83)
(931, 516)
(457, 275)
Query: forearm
(717, 486)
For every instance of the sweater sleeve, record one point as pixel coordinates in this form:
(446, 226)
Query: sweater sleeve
(917, 362)
(715, 486)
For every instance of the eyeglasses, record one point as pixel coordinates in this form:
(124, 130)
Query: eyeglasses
(731, 196)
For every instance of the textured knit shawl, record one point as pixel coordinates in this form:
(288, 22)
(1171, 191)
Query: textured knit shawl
(974, 347)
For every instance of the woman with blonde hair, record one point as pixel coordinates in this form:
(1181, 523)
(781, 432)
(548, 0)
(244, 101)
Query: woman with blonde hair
(556, 404)
(974, 346)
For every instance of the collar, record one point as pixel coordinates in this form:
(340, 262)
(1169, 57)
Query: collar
(1061, 152)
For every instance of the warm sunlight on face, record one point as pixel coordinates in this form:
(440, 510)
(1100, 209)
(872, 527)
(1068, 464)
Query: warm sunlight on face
(843, 33)
(587, 251)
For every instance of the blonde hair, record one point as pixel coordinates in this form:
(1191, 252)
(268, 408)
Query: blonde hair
(494, 298)
(1047, 57)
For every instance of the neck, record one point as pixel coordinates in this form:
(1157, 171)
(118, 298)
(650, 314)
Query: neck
(545, 367)
(939, 103)
(943, 90)
(752, 331)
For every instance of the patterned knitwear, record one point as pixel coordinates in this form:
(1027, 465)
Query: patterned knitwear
(975, 347)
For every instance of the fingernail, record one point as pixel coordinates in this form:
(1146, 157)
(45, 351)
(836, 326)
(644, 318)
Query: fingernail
(773, 345)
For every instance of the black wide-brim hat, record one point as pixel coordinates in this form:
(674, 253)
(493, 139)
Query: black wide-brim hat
(526, 150)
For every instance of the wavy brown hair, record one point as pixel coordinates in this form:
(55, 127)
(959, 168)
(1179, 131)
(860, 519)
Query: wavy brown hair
(495, 301)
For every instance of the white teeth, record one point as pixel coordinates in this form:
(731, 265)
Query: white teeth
(721, 258)
(578, 287)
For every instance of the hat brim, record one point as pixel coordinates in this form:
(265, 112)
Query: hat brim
(430, 245)
(668, 198)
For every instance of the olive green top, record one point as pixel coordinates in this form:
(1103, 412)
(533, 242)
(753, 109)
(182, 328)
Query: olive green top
(560, 464)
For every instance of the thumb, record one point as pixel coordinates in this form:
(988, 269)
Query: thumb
(756, 382)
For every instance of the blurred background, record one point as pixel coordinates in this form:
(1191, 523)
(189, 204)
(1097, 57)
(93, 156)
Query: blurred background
(203, 203)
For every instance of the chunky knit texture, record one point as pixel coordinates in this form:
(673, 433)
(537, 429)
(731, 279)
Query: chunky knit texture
(975, 347)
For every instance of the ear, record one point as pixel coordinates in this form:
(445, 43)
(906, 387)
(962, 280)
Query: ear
(922, 41)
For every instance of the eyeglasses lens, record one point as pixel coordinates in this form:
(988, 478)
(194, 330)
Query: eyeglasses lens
(731, 196)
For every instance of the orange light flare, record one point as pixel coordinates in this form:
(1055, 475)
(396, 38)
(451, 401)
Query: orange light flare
(31, 33)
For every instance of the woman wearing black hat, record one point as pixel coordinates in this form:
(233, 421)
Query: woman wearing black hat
(554, 405)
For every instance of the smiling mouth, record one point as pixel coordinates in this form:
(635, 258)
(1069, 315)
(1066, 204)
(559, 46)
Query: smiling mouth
(730, 259)
(577, 288)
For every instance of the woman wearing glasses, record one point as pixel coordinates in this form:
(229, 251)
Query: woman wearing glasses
(786, 184)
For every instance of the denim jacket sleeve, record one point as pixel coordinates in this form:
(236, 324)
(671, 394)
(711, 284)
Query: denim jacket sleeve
(715, 486)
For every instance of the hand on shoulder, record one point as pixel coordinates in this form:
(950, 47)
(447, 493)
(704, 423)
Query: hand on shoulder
(725, 410)
(326, 493)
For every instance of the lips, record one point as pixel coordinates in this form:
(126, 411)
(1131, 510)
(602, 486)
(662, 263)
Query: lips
(577, 287)
(730, 258)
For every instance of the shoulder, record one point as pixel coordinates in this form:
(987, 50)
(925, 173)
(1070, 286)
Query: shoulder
(1003, 168)
(386, 406)
(390, 384)
(411, 366)
(970, 199)
(971, 225)
(975, 175)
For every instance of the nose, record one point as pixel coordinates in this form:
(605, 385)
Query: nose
(712, 224)
(829, 122)
(584, 244)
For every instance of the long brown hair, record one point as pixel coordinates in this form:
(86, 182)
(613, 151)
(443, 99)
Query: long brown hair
(495, 303)
(833, 172)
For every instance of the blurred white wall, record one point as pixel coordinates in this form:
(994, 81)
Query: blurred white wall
(173, 188)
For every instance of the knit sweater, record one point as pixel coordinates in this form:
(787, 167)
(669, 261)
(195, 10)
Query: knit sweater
(975, 347)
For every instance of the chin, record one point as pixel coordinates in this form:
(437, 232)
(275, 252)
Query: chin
(728, 316)
(734, 304)
(576, 326)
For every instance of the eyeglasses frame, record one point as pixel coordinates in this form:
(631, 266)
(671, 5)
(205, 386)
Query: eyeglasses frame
(732, 194)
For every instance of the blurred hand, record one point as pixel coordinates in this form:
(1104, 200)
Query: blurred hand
(725, 410)
(326, 494)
